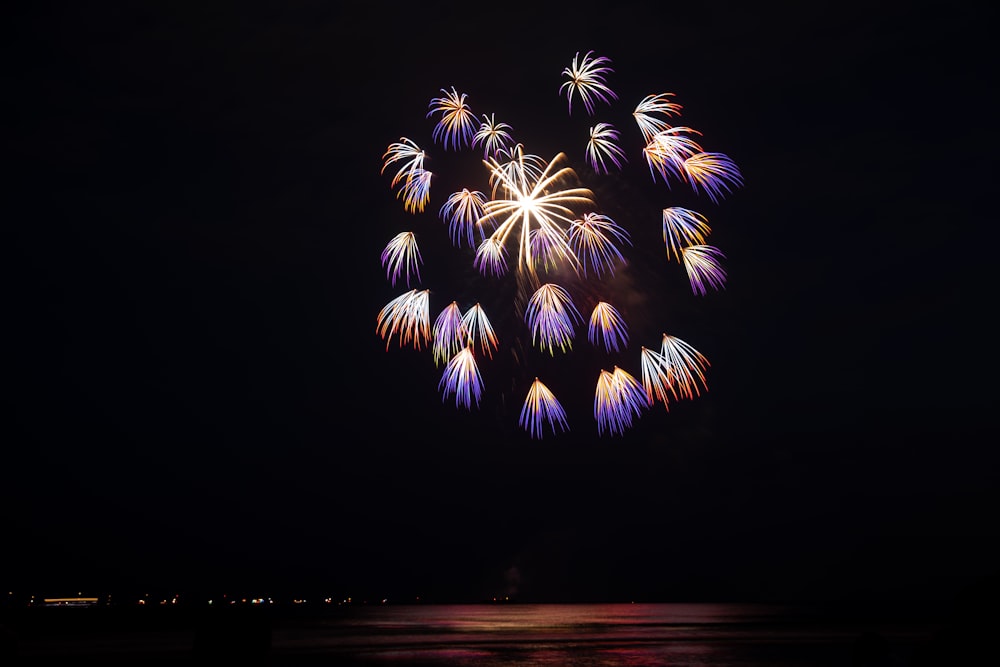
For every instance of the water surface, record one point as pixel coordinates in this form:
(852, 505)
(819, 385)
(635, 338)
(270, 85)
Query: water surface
(605, 635)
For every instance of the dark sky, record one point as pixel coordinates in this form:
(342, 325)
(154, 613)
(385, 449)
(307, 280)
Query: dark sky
(198, 398)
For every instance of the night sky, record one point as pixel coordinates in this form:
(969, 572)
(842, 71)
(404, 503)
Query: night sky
(198, 398)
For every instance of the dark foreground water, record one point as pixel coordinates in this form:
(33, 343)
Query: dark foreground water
(501, 635)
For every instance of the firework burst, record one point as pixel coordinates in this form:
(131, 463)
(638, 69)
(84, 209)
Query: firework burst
(542, 407)
(539, 248)
(587, 79)
(401, 255)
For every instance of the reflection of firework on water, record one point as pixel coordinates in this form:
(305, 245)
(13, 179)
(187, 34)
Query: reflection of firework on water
(542, 228)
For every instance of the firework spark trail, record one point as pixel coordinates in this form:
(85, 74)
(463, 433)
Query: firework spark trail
(586, 79)
(667, 150)
(704, 267)
(683, 227)
(535, 204)
(542, 208)
(461, 212)
(461, 378)
(655, 376)
(607, 328)
(714, 173)
(618, 399)
(541, 407)
(552, 318)
(413, 180)
(401, 255)
(513, 165)
(649, 124)
(547, 248)
(408, 316)
(491, 258)
(493, 136)
(480, 330)
(449, 334)
(404, 149)
(593, 239)
(457, 127)
(603, 145)
(685, 367)
(416, 191)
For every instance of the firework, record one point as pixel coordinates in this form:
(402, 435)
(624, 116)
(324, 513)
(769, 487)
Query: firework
(586, 79)
(618, 400)
(685, 367)
(715, 173)
(513, 165)
(401, 255)
(537, 225)
(461, 378)
(462, 210)
(407, 151)
(667, 150)
(457, 126)
(534, 203)
(594, 238)
(704, 267)
(413, 180)
(491, 257)
(655, 376)
(492, 136)
(652, 114)
(552, 318)
(603, 145)
(408, 317)
(479, 329)
(541, 407)
(449, 335)
(676, 370)
(607, 327)
(683, 227)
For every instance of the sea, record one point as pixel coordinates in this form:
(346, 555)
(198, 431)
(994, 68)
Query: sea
(509, 635)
